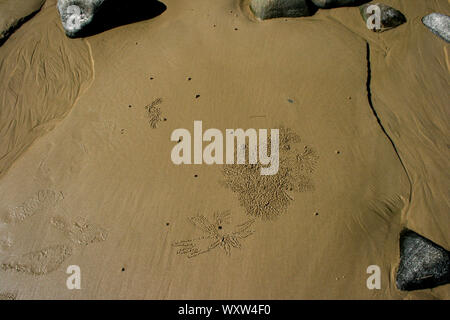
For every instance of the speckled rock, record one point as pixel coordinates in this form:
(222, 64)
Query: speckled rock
(439, 24)
(423, 264)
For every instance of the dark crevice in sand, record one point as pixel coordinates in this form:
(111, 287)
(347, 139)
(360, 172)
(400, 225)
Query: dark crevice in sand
(8, 33)
(369, 98)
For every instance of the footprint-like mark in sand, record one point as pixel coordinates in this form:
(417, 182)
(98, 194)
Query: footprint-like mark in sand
(5, 243)
(154, 113)
(268, 197)
(218, 233)
(43, 200)
(39, 262)
(8, 296)
(80, 231)
(44, 261)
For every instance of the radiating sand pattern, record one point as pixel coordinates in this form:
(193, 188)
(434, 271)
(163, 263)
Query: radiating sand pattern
(219, 233)
(39, 262)
(269, 196)
(154, 113)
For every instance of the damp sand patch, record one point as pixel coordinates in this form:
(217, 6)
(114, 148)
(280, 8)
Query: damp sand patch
(42, 75)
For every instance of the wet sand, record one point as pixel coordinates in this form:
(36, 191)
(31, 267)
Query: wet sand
(86, 177)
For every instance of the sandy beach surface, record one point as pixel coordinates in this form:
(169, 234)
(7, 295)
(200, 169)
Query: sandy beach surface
(86, 176)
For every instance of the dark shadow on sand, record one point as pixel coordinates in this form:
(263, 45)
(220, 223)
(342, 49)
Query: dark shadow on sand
(116, 13)
(11, 30)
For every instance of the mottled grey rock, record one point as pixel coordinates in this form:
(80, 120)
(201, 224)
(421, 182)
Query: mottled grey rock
(390, 18)
(439, 24)
(269, 9)
(326, 4)
(423, 264)
(76, 15)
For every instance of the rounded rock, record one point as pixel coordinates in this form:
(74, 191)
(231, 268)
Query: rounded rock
(327, 4)
(270, 9)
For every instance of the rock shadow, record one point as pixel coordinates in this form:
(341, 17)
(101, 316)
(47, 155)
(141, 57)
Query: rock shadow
(116, 13)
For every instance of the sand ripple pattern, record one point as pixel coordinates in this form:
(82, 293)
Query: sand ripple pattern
(42, 74)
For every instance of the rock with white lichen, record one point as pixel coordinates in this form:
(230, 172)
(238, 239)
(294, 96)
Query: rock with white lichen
(423, 264)
(76, 15)
(87, 17)
(439, 24)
